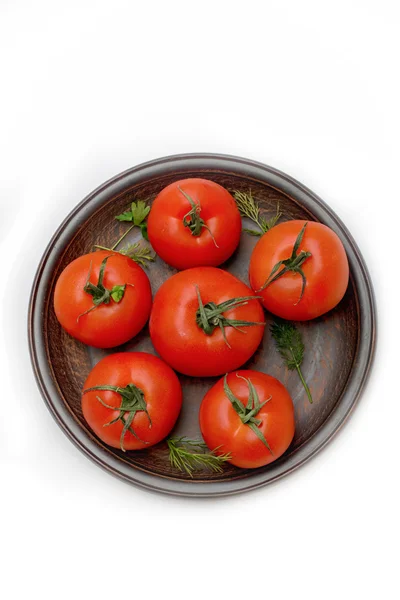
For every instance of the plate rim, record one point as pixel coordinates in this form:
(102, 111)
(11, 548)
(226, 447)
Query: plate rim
(350, 395)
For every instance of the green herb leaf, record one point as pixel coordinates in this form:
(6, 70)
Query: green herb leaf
(268, 224)
(291, 348)
(143, 229)
(136, 215)
(253, 232)
(140, 254)
(192, 455)
(289, 343)
(249, 208)
(139, 210)
(125, 216)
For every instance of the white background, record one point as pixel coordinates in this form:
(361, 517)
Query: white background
(89, 89)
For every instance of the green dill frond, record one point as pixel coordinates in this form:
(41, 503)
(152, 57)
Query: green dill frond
(188, 456)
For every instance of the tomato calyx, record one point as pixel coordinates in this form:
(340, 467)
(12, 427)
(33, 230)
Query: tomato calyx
(99, 293)
(193, 220)
(292, 264)
(248, 414)
(210, 316)
(132, 401)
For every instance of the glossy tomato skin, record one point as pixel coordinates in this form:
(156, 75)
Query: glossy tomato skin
(180, 341)
(108, 325)
(162, 393)
(174, 242)
(326, 271)
(221, 426)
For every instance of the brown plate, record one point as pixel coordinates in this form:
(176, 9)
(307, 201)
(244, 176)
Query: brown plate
(339, 346)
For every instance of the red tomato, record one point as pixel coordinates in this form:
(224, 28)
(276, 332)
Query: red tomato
(252, 440)
(319, 263)
(123, 311)
(223, 339)
(194, 222)
(143, 410)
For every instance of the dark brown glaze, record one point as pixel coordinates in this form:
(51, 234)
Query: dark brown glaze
(339, 345)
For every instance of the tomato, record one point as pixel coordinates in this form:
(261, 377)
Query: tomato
(194, 222)
(254, 432)
(131, 400)
(219, 339)
(300, 269)
(103, 312)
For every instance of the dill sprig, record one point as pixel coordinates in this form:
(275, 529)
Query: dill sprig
(193, 455)
(291, 348)
(140, 254)
(249, 208)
